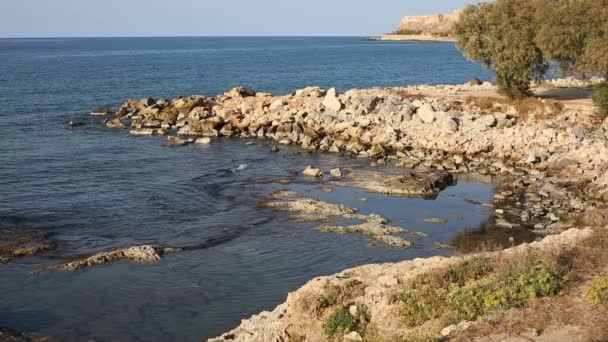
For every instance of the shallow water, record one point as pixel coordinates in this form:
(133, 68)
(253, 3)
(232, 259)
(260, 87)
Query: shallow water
(92, 188)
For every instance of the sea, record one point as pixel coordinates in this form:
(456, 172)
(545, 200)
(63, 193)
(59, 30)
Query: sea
(92, 189)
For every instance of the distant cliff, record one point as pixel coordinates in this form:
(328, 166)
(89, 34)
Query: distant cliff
(435, 25)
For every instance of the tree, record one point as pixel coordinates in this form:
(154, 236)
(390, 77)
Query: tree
(574, 33)
(501, 36)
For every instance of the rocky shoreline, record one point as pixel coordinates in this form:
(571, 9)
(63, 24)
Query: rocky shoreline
(550, 162)
(551, 165)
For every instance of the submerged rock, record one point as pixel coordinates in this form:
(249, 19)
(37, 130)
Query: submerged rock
(138, 254)
(436, 221)
(101, 112)
(18, 244)
(336, 173)
(306, 209)
(11, 335)
(173, 141)
(73, 124)
(313, 172)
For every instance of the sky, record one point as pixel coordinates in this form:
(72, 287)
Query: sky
(135, 18)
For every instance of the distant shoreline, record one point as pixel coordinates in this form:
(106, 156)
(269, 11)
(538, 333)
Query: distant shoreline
(413, 38)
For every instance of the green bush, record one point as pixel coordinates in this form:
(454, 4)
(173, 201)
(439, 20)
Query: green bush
(599, 290)
(340, 322)
(600, 98)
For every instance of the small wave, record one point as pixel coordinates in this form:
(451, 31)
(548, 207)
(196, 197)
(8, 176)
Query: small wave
(240, 167)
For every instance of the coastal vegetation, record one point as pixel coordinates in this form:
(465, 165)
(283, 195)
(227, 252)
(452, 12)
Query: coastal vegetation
(479, 286)
(520, 39)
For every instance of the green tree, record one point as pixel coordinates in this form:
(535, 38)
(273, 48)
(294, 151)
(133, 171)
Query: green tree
(575, 34)
(501, 36)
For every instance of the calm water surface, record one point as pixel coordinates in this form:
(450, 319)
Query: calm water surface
(92, 188)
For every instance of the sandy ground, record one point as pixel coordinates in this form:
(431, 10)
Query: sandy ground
(414, 38)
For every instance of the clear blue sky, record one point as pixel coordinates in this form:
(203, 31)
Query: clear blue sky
(84, 18)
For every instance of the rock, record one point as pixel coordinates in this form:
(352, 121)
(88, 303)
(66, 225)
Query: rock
(353, 336)
(313, 172)
(147, 132)
(203, 141)
(275, 149)
(485, 121)
(276, 105)
(173, 141)
(115, 123)
(138, 254)
(101, 112)
(475, 82)
(436, 221)
(331, 101)
(336, 172)
(353, 309)
(309, 92)
(73, 124)
(22, 244)
(579, 132)
(426, 113)
(425, 185)
(10, 335)
(147, 101)
(376, 150)
(594, 218)
(241, 92)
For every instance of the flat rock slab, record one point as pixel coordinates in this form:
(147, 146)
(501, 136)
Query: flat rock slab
(425, 185)
(306, 209)
(138, 254)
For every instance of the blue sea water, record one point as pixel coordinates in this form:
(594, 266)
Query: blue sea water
(92, 188)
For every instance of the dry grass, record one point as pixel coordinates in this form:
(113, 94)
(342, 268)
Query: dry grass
(525, 107)
(412, 97)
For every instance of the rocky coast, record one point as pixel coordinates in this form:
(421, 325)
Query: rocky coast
(549, 162)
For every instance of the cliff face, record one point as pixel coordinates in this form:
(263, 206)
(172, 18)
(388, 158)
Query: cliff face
(436, 24)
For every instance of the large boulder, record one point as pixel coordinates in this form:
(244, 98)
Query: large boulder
(331, 101)
(426, 113)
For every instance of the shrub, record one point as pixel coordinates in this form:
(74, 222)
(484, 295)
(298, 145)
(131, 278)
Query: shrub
(340, 322)
(474, 288)
(598, 292)
(600, 98)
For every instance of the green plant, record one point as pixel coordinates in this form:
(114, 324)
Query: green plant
(600, 98)
(340, 322)
(476, 287)
(598, 292)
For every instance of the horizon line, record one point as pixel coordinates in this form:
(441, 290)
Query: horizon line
(192, 36)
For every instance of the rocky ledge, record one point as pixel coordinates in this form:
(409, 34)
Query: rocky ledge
(369, 289)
